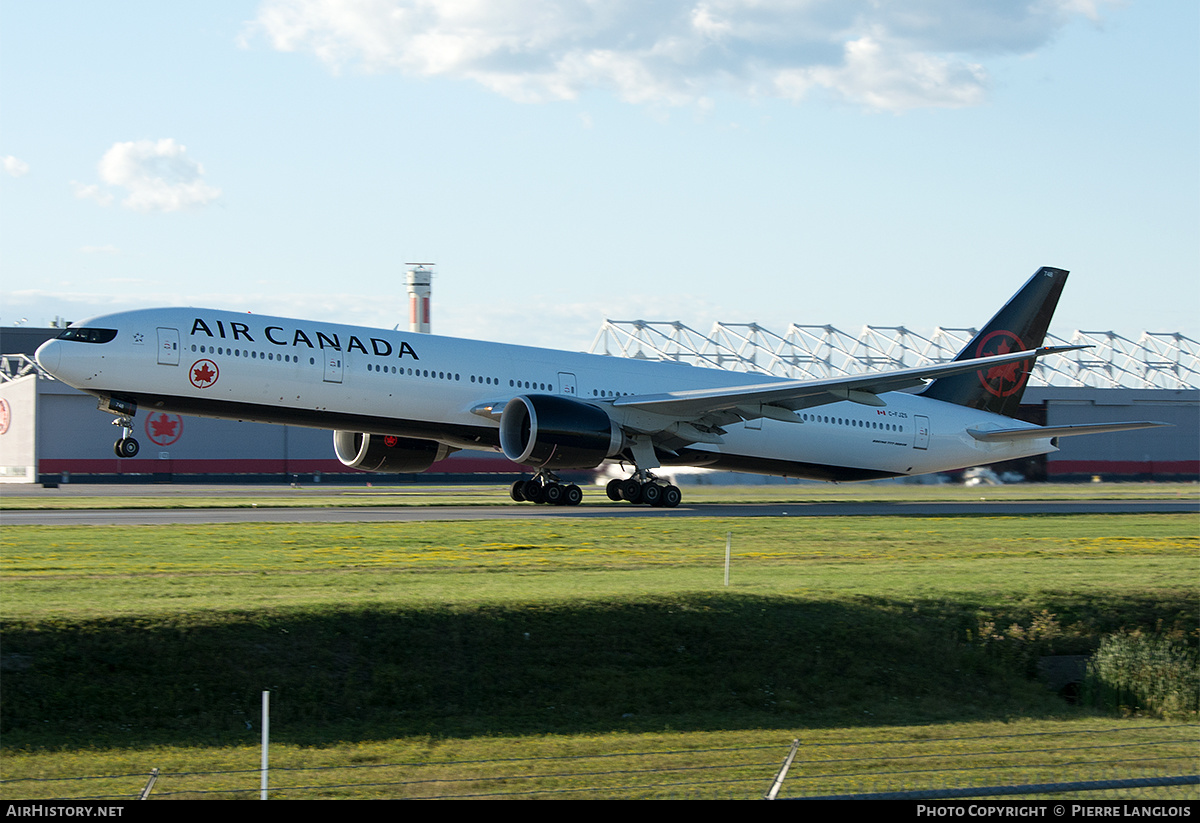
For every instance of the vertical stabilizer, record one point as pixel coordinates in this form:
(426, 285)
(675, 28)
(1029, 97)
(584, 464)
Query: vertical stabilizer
(1019, 326)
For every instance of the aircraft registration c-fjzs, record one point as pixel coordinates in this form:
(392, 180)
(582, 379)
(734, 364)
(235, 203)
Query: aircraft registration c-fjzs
(399, 402)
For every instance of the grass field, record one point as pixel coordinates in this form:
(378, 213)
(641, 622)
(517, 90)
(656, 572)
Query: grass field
(453, 641)
(735, 764)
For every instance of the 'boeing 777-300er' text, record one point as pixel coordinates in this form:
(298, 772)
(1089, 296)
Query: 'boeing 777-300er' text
(398, 402)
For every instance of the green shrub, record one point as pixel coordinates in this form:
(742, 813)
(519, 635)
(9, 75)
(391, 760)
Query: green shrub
(1019, 647)
(1135, 673)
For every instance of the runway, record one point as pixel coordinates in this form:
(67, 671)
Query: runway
(402, 514)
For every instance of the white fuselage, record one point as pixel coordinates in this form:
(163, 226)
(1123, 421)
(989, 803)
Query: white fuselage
(250, 367)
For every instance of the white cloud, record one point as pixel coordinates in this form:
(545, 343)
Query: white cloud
(92, 192)
(888, 80)
(14, 167)
(157, 175)
(896, 55)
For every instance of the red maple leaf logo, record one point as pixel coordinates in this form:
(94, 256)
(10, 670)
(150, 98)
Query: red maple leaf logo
(1007, 378)
(164, 429)
(1007, 372)
(204, 373)
(163, 426)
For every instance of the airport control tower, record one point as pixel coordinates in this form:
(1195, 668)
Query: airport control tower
(419, 277)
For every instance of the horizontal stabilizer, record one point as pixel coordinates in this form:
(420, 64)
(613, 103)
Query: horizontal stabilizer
(995, 435)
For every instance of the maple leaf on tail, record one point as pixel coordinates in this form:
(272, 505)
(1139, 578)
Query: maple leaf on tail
(1011, 374)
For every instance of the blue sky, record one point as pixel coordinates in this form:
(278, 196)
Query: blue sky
(817, 161)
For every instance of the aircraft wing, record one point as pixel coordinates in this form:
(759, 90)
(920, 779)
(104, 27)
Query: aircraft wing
(779, 399)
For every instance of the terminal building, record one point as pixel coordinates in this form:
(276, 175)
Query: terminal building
(50, 432)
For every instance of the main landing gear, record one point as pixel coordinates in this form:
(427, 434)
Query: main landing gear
(544, 487)
(644, 487)
(126, 446)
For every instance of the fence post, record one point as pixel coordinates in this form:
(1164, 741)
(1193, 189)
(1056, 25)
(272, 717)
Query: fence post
(266, 738)
(728, 543)
(145, 793)
(777, 784)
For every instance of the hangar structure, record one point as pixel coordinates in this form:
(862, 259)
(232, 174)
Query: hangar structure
(1155, 377)
(50, 432)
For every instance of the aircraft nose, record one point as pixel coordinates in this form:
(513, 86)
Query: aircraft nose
(48, 355)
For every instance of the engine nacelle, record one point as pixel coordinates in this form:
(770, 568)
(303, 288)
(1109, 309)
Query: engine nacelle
(550, 432)
(387, 453)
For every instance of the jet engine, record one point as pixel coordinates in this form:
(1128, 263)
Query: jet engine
(551, 432)
(386, 453)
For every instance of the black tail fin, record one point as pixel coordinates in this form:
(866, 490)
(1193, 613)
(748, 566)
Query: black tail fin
(1019, 326)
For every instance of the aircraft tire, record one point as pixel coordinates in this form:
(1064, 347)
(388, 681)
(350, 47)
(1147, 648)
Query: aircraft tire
(572, 495)
(613, 490)
(534, 491)
(631, 490)
(126, 447)
(553, 494)
(671, 497)
(517, 491)
(652, 494)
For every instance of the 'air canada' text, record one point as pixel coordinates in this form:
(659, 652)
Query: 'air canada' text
(278, 335)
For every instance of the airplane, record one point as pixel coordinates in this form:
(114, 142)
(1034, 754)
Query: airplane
(399, 402)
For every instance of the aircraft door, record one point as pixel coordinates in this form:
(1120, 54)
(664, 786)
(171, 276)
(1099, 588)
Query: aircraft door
(922, 431)
(333, 366)
(566, 383)
(168, 347)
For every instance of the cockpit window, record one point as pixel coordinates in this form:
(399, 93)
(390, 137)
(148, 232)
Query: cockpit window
(84, 335)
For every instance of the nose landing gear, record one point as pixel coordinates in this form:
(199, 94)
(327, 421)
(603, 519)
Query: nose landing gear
(127, 446)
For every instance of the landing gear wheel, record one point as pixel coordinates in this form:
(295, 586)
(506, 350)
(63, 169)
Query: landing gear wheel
(553, 494)
(613, 489)
(572, 495)
(671, 497)
(534, 491)
(517, 492)
(631, 490)
(652, 494)
(126, 447)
